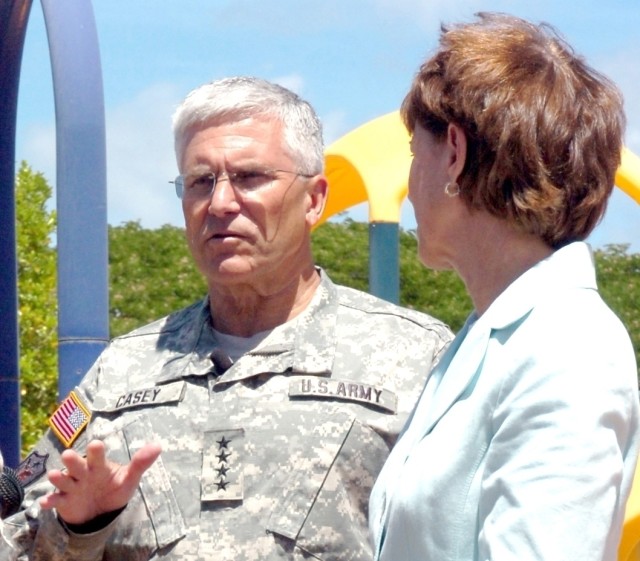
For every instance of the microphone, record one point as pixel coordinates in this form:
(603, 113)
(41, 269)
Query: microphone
(11, 492)
(221, 360)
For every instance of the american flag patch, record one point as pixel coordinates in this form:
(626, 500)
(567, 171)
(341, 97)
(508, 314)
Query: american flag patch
(69, 419)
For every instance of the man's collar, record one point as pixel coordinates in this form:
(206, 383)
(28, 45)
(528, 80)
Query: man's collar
(306, 344)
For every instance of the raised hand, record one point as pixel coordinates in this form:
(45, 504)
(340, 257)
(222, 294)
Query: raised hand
(93, 485)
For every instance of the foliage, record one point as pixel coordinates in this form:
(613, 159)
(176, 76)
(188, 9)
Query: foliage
(618, 274)
(342, 249)
(151, 274)
(37, 303)
(439, 293)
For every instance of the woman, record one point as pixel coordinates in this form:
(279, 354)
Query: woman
(524, 441)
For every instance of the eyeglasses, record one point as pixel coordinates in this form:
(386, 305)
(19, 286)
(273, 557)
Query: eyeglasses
(242, 182)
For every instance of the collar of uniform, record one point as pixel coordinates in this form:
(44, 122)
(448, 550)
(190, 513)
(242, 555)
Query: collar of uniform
(189, 362)
(306, 344)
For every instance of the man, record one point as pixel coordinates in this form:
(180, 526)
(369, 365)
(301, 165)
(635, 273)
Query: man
(274, 401)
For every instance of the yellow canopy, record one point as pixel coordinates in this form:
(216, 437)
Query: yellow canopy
(371, 163)
(628, 175)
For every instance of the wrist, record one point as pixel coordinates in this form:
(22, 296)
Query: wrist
(95, 524)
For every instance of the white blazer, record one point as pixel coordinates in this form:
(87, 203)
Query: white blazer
(524, 442)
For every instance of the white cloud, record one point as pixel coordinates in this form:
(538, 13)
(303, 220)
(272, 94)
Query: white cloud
(430, 14)
(334, 125)
(141, 162)
(623, 69)
(427, 12)
(293, 82)
(37, 146)
(140, 159)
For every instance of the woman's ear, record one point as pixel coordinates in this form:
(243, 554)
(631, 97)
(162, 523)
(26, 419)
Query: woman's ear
(317, 197)
(457, 144)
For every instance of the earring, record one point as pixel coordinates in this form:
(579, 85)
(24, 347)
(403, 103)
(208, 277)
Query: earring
(452, 189)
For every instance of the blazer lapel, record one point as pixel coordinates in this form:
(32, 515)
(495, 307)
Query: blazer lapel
(460, 372)
(462, 362)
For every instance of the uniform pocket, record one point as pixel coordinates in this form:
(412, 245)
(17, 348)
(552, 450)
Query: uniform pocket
(155, 488)
(152, 519)
(324, 510)
(308, 475)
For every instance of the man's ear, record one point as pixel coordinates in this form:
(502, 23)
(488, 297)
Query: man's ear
(457, 144)
(317, 192)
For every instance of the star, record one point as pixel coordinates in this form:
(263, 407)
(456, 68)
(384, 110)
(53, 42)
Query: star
(222, 471)
(222, 456)
(222, 485)
(223, 442)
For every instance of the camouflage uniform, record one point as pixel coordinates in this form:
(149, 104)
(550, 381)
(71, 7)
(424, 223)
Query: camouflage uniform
(272, 459)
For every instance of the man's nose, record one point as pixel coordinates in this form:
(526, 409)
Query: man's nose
(223, 199)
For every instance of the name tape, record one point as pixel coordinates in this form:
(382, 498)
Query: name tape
(346, 390)
(168, 393)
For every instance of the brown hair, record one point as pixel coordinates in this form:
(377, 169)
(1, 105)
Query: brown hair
(544, 130)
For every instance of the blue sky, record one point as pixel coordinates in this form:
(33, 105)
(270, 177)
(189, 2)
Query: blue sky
(352, 59)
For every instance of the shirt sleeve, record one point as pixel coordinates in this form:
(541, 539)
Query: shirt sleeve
(557, 469)
(35, 533)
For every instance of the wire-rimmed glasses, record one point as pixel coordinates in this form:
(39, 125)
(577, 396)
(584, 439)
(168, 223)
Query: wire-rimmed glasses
(242, 182)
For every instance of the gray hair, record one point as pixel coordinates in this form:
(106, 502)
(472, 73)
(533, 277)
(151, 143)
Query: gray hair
(240, 97)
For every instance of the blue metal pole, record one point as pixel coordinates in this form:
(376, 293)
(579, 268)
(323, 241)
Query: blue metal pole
(13, 25)
(384, 260)
(81, 202)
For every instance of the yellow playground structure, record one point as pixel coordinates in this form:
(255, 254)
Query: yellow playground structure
(371, 163)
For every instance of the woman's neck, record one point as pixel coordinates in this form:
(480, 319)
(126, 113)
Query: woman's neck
(494, 256)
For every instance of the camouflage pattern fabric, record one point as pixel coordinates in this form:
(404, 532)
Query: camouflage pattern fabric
(272, 459)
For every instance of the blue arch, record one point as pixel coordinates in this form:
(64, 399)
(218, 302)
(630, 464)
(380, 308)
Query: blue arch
(83, 325)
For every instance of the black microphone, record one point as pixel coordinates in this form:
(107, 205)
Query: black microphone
(11, 492)
(221, 360)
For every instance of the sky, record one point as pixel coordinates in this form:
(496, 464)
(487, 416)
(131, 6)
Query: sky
(353, 60)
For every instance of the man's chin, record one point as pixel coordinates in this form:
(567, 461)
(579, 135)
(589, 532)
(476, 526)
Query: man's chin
(230, 271)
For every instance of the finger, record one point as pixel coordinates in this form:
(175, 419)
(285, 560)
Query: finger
(62, 502)
(75, 464)
(143, 459)
(61, 481)
(96, 455)
(52, 500)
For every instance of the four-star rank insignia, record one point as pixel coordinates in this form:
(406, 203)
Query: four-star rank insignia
(222, 477)
(69, 419)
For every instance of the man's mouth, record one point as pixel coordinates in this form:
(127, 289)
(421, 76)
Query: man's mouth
(227, 234)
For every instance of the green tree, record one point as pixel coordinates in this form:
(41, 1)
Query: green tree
(37, 303)
(151, 274)
(619, 283)
(439, 293)
(342, 249)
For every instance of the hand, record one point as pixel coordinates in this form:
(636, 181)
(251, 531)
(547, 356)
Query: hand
(93, 485)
